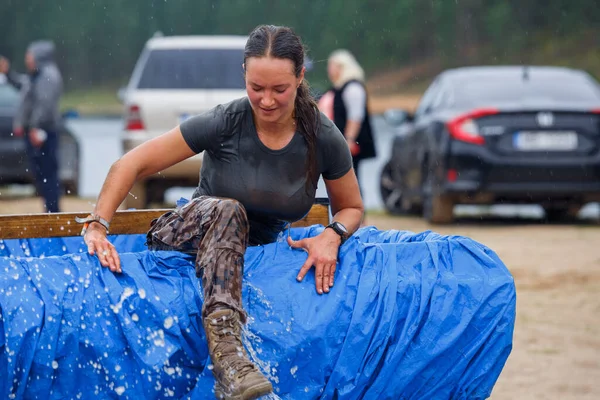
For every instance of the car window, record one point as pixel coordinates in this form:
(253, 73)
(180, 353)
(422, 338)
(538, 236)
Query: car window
(441, 98)
(193, 69)
(427, 99)
(9, 96)
(558, 87)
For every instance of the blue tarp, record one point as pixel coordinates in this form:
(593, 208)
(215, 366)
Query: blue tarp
(411, 316)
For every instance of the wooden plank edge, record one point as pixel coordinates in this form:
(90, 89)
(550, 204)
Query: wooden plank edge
(40, 225)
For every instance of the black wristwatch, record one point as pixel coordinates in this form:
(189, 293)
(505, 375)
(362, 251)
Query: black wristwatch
(340, 230)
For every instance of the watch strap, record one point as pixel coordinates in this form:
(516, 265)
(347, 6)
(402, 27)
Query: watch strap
(92, 218)
(335, 227)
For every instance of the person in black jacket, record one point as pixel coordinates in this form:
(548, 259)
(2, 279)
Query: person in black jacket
(350, 106)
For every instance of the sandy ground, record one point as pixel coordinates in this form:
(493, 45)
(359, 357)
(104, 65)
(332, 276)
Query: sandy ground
(556, 351)
(408, 102)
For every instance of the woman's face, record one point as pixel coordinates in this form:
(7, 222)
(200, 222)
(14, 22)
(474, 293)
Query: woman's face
(271, 85)
(333, 71)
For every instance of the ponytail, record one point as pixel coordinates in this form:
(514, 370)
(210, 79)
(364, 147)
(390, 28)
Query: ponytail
(309, 121)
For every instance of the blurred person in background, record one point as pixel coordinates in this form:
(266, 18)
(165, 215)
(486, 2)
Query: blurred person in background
(325, 104)
(350, 109)
(38, 117)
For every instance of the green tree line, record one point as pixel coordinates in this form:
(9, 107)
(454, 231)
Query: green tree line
(98, 41)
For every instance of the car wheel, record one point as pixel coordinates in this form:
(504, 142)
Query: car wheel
(561, 213)
(390, 191)
(437, 208)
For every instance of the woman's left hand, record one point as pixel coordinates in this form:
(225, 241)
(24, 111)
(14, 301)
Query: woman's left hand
(322, 254)
(35, 138)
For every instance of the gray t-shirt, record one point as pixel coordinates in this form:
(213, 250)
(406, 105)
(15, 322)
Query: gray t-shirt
(269, 183)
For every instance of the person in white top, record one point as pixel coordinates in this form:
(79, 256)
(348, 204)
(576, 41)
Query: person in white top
(349, 107)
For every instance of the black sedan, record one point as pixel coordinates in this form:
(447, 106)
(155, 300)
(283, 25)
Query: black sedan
(489, 135)
(14, 165)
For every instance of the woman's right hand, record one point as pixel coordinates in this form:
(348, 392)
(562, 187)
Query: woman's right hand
(97, 243)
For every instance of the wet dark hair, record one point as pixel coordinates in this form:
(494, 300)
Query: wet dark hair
(281, 42)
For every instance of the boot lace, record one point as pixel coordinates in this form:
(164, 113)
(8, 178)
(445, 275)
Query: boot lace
(229, 347)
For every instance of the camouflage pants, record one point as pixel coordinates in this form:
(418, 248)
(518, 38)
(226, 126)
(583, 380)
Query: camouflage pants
(215, 230)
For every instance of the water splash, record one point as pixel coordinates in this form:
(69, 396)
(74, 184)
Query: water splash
(271, 396)
(252, 344)
(126, 293)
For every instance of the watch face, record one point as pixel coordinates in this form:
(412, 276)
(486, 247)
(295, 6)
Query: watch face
(341, 227)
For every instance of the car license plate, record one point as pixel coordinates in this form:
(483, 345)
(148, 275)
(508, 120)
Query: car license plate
(545, 141)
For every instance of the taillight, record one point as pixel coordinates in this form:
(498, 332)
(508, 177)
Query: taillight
(464, 127)
(133, 119)
(452, 175)
(597, 111)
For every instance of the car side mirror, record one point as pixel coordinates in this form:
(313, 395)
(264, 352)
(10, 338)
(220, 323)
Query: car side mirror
(397, 117)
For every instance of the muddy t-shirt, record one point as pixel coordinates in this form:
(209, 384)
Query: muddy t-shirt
(269, 183)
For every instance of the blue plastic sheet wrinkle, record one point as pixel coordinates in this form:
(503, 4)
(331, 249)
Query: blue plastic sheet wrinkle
(411, 316)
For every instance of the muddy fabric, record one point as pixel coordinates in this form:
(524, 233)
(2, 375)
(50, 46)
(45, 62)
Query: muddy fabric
(216, 231)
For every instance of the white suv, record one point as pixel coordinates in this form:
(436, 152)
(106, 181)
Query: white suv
(176, 77)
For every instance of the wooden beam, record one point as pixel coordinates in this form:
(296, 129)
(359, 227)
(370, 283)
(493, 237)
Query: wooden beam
(42, 225)
(318, 214)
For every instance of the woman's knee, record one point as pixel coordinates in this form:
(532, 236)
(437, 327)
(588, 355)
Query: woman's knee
(208, 210)
(231, 208)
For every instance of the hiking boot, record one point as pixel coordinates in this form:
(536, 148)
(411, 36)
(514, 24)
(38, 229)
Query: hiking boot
(236, 377)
